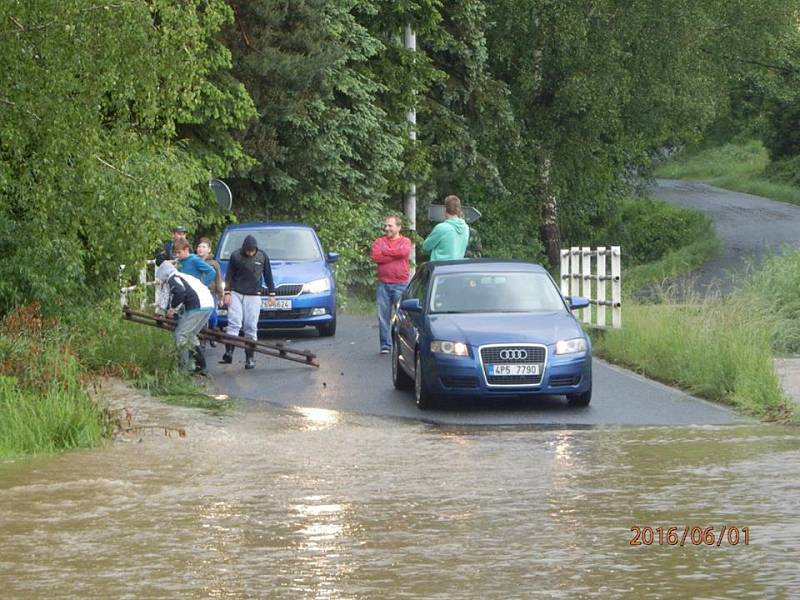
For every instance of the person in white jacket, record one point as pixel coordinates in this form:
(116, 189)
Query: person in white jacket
(188, 299)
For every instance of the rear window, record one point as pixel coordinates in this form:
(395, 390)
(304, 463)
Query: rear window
(279, 244)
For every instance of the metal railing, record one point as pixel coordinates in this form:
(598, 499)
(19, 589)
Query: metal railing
(578, 278)
(143, 284)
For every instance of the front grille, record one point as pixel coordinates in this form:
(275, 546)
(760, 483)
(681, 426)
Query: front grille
(285, 314)
(460, 382)
(574, 380)
(288, 289)
(535, 354)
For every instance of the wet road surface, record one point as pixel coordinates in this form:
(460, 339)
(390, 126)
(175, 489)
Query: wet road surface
(354, 377)
(748, 226)
(279, 503)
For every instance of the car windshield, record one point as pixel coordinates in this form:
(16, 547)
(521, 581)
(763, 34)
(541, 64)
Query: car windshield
(494, 292)
(280, 244)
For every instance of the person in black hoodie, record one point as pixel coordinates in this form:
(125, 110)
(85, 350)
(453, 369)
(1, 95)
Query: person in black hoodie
(247, 268)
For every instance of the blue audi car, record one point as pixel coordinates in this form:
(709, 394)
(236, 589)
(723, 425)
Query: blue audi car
(489, 328)
(301, 270)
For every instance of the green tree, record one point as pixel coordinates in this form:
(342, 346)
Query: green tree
(114, 116)
(597, 85)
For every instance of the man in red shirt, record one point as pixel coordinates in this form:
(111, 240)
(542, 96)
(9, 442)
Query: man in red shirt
(390, 252)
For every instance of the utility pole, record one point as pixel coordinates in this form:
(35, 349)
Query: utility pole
(411, 117)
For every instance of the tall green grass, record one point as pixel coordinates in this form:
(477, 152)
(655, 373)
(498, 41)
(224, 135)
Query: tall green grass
(720, 348)
(145, 356)
(716, 350)
(44, 406)
(46, 367)
(741, 167)
(748, 158)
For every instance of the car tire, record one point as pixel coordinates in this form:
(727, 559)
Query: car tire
(422, 396)
(580, 399)
(329, 329)
(400, 378)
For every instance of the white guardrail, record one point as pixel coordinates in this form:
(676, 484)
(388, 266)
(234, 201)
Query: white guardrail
(143, 284)
(579, 279)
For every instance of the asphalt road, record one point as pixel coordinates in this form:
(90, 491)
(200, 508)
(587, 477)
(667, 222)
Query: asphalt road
(354, 377)
(748, 226)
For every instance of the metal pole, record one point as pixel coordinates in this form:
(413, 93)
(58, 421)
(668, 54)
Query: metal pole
(411, 117)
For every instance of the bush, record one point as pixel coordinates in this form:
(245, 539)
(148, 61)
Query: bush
(649, 229)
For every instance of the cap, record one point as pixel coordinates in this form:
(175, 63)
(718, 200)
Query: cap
(179, 229)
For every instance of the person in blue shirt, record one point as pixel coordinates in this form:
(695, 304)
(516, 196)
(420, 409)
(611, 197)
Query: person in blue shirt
(167, 252)
(193, 265)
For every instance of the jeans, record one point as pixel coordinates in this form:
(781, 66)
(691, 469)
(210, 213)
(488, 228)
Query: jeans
(388, 296)
(186, 330)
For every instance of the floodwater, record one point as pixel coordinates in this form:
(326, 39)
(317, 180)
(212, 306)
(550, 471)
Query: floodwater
(272, 503)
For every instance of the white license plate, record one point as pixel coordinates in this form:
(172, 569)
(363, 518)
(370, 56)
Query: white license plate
(279, 304)
(515, 369)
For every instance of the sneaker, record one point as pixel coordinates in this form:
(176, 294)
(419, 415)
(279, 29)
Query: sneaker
(385, 350)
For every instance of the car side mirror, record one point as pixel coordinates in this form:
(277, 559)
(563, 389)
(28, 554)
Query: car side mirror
(333, 257)
(411, 305)
(577, 302)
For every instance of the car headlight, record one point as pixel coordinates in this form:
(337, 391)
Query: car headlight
(571, 346)
(317, 286)
(454, 348)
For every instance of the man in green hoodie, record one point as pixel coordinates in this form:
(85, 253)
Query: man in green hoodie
(448, 240)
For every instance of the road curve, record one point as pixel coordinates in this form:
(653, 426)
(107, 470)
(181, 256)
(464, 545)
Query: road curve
(748, 226)
(354, 377)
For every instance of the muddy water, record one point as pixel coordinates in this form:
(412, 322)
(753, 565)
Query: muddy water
(311, 503)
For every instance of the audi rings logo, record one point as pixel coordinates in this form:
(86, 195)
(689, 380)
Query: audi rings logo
(516, 354)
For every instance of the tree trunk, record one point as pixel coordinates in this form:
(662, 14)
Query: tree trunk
(549, 231)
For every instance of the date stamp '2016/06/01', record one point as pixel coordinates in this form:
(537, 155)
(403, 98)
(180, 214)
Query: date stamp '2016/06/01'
(689, 536)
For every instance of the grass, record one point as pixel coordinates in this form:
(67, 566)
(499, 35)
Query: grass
(720, 348)
(358, 303)
(734, 166)
(715, 349)
(44, 406)
(47, 366)
(145, 356)
(678, 262)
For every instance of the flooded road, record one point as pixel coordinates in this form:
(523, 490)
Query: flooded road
(269, 502)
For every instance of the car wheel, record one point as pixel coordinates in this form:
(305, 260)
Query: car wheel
(400, 378)
(580, 399)
(421, 394)
(329, 329)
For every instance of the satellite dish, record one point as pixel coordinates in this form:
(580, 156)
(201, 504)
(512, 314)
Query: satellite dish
(222, 192)
(436, 213)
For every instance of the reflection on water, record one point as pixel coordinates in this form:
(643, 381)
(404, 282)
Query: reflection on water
(317, 504)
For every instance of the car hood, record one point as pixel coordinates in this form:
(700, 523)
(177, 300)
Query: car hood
(499, 328)
(288, 271)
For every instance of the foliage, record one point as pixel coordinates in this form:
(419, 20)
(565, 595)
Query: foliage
(43, 403)
(648, 229)
(715, 349)
(741, 158)
(772, 293)
(657, 279)
(93, 142)
(597, 85)
(741, 166)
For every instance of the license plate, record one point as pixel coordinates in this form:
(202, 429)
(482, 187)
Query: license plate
(515, 369)
(279, 304)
